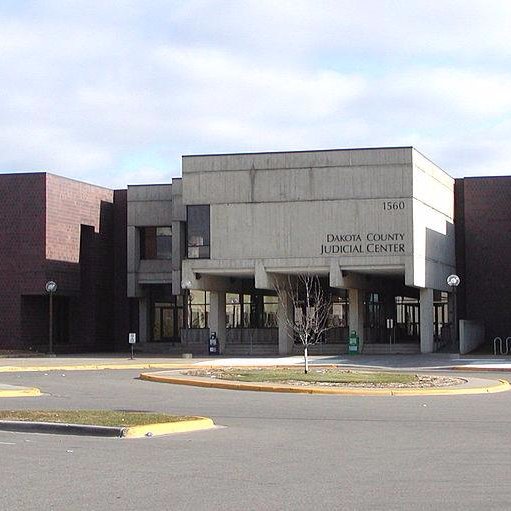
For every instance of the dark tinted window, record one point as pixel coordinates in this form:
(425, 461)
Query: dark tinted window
(198, 237)
(156, 243)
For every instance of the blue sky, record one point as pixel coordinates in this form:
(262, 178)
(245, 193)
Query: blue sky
(114, 92)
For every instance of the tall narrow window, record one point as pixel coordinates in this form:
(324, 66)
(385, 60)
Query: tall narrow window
(198, 232)
(198, 309)
(233, 310)
(339, 312)
(270, 311)
(164, 242)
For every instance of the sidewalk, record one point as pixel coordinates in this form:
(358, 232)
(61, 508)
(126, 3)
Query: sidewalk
(439, 361)
(89, 363)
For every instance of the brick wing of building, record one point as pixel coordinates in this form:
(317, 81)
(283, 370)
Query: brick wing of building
(73, 233)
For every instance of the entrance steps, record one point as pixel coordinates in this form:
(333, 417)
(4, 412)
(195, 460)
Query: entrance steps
(273, 349)
(393, 349)
(254, 350)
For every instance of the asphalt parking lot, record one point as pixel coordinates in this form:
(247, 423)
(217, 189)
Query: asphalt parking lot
(270, 451)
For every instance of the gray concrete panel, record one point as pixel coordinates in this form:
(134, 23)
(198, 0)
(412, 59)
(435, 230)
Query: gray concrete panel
(148, 193)
(296, 159)
(353, 231)
(300, 184)
(339, 213)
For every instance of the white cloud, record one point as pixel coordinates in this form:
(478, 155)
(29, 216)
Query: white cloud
(99, 90)
(466, 92)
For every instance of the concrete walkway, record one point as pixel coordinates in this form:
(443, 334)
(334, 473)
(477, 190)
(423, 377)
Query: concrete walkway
(123, 361)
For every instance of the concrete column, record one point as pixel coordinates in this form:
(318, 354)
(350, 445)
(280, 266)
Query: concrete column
(356, 313)
(217, 317)
(285, 314)
(426, 320)
(143, 319)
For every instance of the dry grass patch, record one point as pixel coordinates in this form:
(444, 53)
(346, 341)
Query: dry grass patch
(91, 417)
(324, 376)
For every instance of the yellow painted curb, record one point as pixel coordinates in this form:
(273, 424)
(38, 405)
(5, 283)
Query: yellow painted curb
(21, 392)
(166, 428)
(499, 386)
(91, 367)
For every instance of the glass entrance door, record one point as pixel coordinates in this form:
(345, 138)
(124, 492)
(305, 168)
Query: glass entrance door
(408, 319)
(374, 321)
(167, 318)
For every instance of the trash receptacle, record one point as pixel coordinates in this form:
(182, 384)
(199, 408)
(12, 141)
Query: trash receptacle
(213, 344)
(353, 343)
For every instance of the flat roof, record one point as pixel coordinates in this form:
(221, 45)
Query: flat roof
(301, 151)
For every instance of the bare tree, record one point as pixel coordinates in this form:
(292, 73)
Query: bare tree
(311, 306)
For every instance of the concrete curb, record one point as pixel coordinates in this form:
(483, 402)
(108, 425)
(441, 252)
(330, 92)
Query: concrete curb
(166, 428)
(148, 430)
(90, 367)
(499, 386)
(480, 369)
(19, 392)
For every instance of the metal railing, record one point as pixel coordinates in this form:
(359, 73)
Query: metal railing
(503, 346)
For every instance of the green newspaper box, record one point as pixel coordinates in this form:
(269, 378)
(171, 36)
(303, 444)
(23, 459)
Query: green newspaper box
(353, 343)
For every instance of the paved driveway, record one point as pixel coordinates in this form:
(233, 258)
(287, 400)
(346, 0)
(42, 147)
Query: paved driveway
(276, 451)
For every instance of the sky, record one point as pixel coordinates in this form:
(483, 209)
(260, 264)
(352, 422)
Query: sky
(115, 92)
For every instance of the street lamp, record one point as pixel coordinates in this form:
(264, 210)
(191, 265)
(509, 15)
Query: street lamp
(187, 285)
(453, 281)
(51, 287)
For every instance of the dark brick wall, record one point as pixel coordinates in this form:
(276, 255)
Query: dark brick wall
(483, 232)
(71, 204)
(79, 254)
(64, 230)
(22, 235)
(125, 309)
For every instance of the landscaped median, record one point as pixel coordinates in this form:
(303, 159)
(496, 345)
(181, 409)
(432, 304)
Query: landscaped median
(327, 380)
(103, 423)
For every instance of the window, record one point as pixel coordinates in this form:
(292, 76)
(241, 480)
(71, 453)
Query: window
(442, 324)
(156, 243)
(198, 309)
(240, 311)
(247, 311)
(339, 312)
(374, 310)
(232, 310)
(270, 311)
(197, 232)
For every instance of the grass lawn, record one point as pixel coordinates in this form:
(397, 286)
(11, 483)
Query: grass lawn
(91, 417)
(318, 375)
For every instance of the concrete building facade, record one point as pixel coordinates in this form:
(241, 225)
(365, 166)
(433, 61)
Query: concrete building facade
(381, 228)
(376, 223)
(155, 246)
